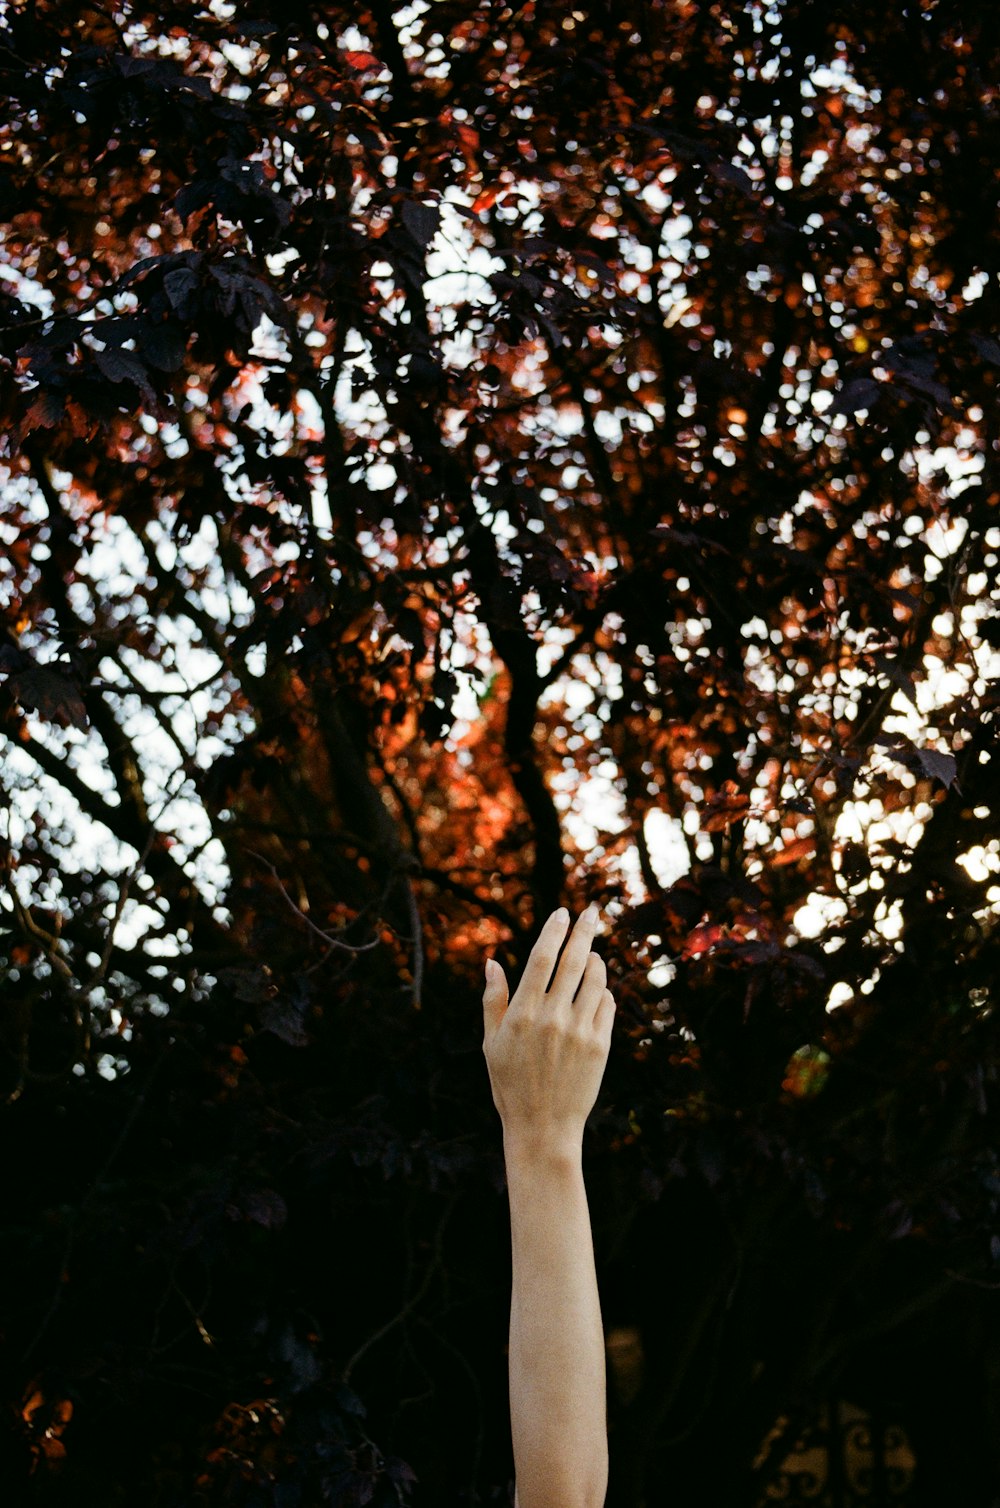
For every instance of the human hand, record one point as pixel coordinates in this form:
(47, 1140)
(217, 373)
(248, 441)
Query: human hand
(547, 1048)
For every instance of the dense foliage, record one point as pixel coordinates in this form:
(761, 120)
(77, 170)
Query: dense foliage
(460, 458)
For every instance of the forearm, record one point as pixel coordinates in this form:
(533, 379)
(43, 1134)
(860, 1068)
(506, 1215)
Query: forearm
(557, 1386)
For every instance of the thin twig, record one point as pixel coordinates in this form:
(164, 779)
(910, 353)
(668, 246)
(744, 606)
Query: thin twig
(328, 938)
(123, 892)
(411, 1303)
(417, 939)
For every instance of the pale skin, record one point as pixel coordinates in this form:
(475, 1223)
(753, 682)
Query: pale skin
(546, 1049)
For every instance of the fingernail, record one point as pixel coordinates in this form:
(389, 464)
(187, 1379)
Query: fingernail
(592, 913)
(562, 915)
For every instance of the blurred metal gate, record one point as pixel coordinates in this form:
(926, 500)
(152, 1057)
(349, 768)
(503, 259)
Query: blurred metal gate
(847, 1458)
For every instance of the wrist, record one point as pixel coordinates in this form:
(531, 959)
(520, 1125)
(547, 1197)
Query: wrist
(531, 1146)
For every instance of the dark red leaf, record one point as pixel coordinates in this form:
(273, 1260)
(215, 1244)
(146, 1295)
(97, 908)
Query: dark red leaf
(862, 393)
(262, 1207)
(943, 767)
(285, 1019)
(44, 411)
(421, 221)
(180, 285)
(124, 366)
(51, 693)
(164, 346)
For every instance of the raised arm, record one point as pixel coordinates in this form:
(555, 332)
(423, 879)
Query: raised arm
(546, 1049)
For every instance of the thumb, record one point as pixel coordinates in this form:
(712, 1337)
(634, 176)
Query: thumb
(494, 994)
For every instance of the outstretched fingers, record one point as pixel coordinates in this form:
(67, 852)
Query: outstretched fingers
(595, 978)
(579, 980)
(573, 963)
(604, 1016)
(541, 959)
(547, 1051)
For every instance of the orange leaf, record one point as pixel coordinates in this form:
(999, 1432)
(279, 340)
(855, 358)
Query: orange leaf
(486, 198)
(802, 848)
(701, 939)
(723, 812)
(361, 60)
(33, 1404)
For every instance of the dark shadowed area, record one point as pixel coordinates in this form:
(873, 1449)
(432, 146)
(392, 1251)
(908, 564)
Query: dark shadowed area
(457, 459)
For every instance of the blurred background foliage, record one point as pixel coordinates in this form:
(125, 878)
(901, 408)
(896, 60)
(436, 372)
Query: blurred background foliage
(458, 459)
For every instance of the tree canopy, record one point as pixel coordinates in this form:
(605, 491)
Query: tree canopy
(459, 459)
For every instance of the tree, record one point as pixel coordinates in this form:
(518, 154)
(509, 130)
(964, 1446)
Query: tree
(416, 419)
